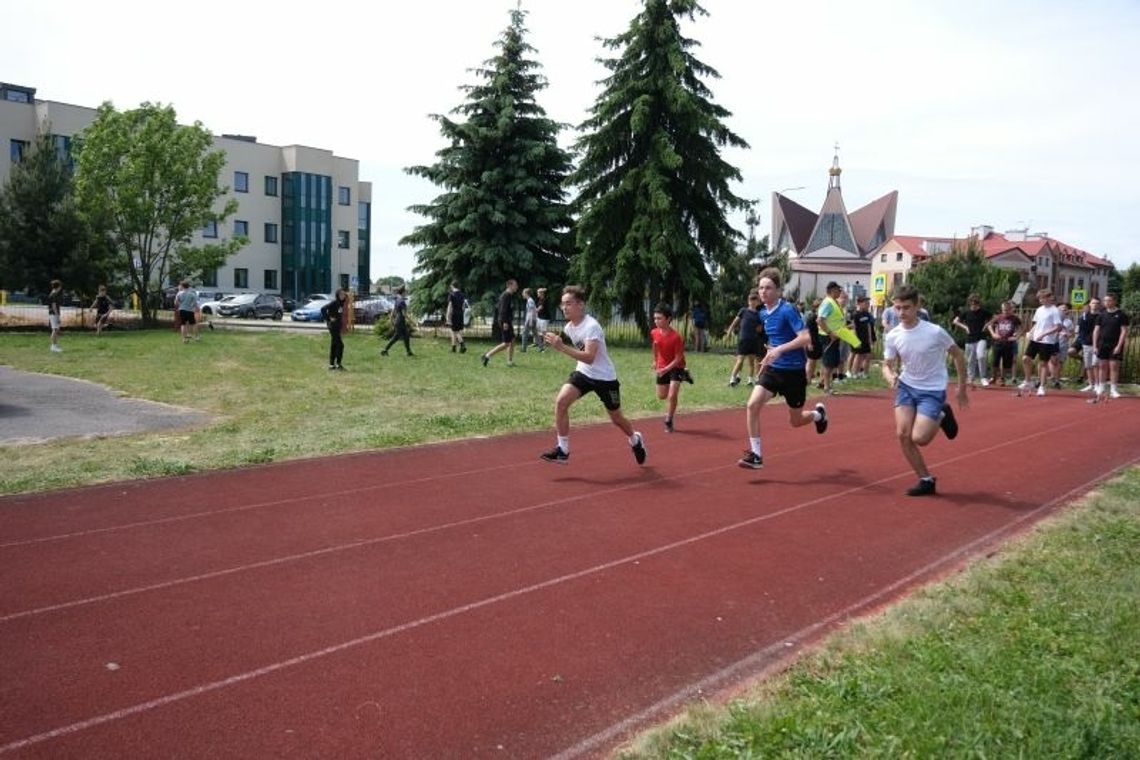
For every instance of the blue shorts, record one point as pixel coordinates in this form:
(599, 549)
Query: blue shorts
(927, 403)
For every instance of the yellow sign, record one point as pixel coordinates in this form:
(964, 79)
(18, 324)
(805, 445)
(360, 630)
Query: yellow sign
(879, 286)
(1079, 297)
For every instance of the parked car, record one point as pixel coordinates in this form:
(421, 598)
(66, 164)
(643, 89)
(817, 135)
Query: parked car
(252, 306)
(318, 297)
(367, 311)
(310, 312)
(211, 307)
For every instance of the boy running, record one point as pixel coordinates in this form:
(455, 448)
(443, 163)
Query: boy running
(920, 389)
(594, 372)
(782, 368)
(668, 360)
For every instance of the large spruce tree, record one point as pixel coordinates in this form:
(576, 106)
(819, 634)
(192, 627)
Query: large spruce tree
(503, 212)
(654, 188)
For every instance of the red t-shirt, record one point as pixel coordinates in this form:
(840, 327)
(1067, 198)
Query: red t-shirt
(667, 345)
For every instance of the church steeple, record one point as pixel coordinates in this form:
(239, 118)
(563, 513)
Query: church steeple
(834, 172)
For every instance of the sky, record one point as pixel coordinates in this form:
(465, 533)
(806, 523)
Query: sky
(1011, 113)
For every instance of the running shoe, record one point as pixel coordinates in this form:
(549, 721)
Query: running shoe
(556, 456)
(639, 448)
(821, 423)
(485, 359)
(751, 461)
(924, 487)
(668, 424)
(948, 423)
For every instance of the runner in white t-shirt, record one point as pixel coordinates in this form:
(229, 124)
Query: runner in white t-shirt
(920, 389)
(1043, 334)
(594, 372)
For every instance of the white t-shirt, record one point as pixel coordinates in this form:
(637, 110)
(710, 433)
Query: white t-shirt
(586, 330)
(1044, 319)
(922, 349)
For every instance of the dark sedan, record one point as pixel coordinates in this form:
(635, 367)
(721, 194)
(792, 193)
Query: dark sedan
(252, 306)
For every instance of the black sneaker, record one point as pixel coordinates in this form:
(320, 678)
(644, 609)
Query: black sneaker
(668, 424)
(639, 448)
(948, 424)
(454, 349)
(555, 455)
(485, 359)
(462, 348)
(751, 461)
(924, 487)
(733, 382)
(687, 376)
(821, 423)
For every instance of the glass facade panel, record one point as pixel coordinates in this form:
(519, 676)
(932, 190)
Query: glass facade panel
(831, 231)
(306, 252)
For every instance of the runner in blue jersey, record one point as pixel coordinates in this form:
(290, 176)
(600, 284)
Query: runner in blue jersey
(782, 368)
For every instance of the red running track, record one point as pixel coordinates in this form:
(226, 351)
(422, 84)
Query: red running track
(466, 600)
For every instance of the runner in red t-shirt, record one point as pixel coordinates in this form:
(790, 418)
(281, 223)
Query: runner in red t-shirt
(668, 360)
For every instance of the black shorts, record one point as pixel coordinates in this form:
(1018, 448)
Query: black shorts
(507, 335)
(187, 317)
(1042, 351)
(863, 348)
(789, 383)
(831, 354)
(815, 350)
(675, 375)
(609, 391)
(457, 324)
(1108, 353)
(748, 346)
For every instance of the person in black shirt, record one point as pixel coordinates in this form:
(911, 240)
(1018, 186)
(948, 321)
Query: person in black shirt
(1086, 323)
(864, 323)
(335, 314)
(102, 307)
(456, 317)
(1110, 336)
(505, 320)
(400, 328)
(974, 320)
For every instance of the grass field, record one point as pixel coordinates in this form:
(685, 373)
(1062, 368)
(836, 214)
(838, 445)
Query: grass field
(272, 398)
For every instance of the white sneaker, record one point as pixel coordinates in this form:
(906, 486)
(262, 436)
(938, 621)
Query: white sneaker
(1024, 385)
(985, 383)
(1113, 393)
(1098, 389)
(1087, 388)
(56, 349)
(1041, 391)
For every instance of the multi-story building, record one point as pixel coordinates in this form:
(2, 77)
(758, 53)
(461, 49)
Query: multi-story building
(305, 212)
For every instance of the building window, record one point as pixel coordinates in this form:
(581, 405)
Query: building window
(342, 238)
(270, 232)
(211, 229)
(898, 256)
(343, 196)
(241, 277)
(883, 258)
(270, 185)
(241, 227)
(210, 278)
(271, 279)
(17, 96)
(241, 182)
(17, 149)
(344, 281)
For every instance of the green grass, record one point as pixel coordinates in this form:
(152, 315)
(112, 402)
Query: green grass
(271, 398)
(1033, 653)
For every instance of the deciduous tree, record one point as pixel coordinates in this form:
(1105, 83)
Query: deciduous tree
(153, 183)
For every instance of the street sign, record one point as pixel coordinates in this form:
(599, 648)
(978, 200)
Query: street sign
(353, 281)
(1079, 298)
(879, 285)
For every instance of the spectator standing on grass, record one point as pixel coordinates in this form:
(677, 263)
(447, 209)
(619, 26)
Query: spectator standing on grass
(456, 317)
(186, 302)
(401, 330)
(746, 324)
(974, 320)
(1005, 329)
(889, 318)
(530, 319)
(542, 318)
(668, 361)
(55, 313)
(1110, 336)
(920, 387)
(815, 348)
(782, 368)
(335, 315)
(102, 307)
(505, 319)
(1086, 323)
(700, 327)
(864, 325)
(593, 373)
(1042, 332)
(1057, 366)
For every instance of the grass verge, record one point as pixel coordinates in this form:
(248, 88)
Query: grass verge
(1032, 653)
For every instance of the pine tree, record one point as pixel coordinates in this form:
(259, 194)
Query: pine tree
(654, 188)
(503, 212)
